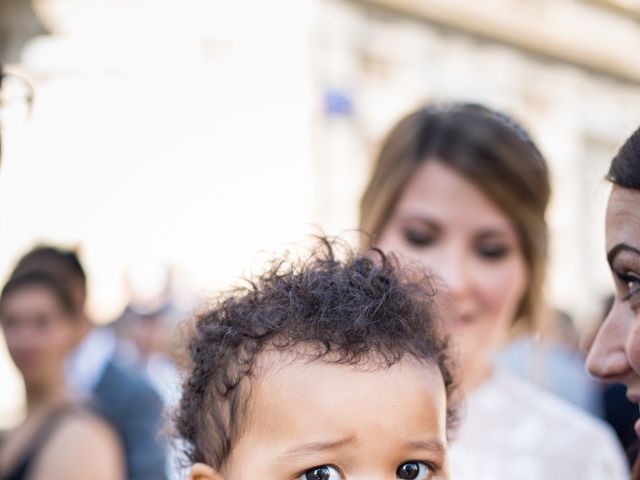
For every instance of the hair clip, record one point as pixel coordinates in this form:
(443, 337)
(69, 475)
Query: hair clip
(500, 117)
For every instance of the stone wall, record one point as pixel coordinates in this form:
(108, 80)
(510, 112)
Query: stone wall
(386, 57)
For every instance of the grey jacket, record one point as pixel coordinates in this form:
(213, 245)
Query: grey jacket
(134, 408)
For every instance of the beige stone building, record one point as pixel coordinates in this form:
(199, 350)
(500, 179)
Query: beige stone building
(568, 69)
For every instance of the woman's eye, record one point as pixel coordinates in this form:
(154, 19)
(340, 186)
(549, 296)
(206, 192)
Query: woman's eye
(493, 252)
(418, 238)
(8, 322)
(42, 322)
(414, 471)
(324, 472)
(632, 283)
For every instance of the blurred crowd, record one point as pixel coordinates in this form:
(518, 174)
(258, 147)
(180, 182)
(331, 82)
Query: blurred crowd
(99, 392)
(458, 189)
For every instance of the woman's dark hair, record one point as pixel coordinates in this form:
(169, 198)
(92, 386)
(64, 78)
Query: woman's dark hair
(625, 166)
(39, 279)
(624, 172)
(635, 471)
(355, 311)
(62, 265)
(490, 150)
(60, 262)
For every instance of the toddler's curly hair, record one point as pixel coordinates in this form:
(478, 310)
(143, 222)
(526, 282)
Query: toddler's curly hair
(361, 310)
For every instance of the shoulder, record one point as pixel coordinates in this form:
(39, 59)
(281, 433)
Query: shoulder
(85, 431)
(511, 427)
(528, 426)
(553, 421)
(120, 387)
(530, 398)
(125, 378)
(131, 404)
(82, 445)
(85, 426)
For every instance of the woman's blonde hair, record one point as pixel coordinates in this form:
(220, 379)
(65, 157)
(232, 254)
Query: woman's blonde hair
(490, 150)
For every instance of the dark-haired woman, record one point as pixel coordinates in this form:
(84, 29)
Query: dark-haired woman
(58, 440)
(462, 190)
(615, 353)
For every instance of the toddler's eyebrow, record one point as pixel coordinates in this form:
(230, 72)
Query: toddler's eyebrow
(432, 445)
(314, 447)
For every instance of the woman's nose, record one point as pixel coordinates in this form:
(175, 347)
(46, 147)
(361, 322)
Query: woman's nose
(607, 359)
(453, 269)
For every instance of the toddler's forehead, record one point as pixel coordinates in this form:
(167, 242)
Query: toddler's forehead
(293, 397)
(294, 401)
(284, 372)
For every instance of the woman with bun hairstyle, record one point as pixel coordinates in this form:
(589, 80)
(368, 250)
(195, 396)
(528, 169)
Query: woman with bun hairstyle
(615, 352)
(59, 439)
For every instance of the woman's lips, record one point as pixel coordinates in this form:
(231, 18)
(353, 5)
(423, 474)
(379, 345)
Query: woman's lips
(466, 318)
(633, 397)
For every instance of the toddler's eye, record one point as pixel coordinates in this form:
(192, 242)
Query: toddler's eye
(324, 472)
(414, 471)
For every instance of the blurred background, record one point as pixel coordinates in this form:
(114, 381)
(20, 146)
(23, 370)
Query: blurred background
(169, 141)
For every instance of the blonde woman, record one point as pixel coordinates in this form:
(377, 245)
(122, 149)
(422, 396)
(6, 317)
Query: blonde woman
(462, 190)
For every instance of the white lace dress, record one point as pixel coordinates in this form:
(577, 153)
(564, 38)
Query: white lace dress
(511, 430)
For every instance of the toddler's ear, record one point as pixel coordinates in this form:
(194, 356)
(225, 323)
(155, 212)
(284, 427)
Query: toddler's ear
(200, 471)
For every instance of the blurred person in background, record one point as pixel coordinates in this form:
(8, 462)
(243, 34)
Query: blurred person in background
(615, 353)
(147, 328)
(59, 439)
(149, 340)
(121, 395)
(462, 190)
(554, 361)
(146, 343)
